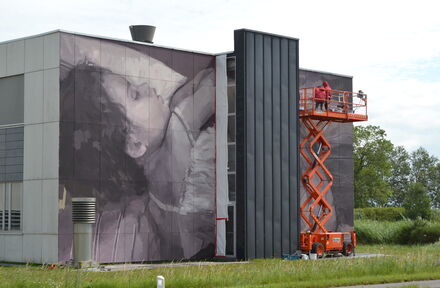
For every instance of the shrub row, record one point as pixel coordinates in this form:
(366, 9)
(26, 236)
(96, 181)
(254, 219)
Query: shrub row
(403, 232)
(380, 214)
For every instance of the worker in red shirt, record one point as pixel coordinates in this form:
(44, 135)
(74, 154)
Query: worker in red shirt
(320, 97)
(328, 93)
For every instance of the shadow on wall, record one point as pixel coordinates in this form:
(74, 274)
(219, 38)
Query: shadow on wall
(138, 133)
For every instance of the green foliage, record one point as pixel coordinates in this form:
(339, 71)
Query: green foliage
(417, 203)
(435, 215)
(400, 175)
(419, 232)
(379, 232)
(399, 232)
(372, 166)
(380, 214)
(425, 170)
(384, 174)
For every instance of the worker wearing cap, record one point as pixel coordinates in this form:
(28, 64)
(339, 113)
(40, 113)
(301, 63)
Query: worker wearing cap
(328, 93)
(320, 97)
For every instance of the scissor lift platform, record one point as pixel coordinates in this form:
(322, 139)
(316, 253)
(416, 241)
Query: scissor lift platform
(342, 107)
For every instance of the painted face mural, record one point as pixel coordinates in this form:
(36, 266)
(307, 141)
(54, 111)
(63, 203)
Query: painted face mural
(137, 132)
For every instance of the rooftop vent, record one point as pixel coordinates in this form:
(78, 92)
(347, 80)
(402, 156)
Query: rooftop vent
(142, 33)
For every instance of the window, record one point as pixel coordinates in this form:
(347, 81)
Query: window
(230, 224)
(11, 100)
(10, 206)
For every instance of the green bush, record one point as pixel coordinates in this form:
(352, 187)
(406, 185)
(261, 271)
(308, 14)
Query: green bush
(379, 232)
(403, 232)
(420, 232)
(380, 214)
(435, 215)
(417, 202)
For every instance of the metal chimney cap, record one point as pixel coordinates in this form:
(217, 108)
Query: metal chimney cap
(142, 33)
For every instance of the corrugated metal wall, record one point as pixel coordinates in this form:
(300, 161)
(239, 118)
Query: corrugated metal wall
(267, 144)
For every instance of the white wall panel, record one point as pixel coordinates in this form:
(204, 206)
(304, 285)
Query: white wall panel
(15, 58)
(32, 206)
(32, 247)
(34, 54)
(50, 150)
(14, 248)
(33, 151)
(33, 97)
(3, 49)
(50, 206)
(51, 50)
(2, 248)
(50, 249)
(51, 105)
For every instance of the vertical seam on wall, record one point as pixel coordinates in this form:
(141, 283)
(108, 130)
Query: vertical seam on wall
(273, 190)
(74, 100)
(263, 149)
(298, 139)
(288, 139)
(244, 146)
(281, 154)
(255, 152)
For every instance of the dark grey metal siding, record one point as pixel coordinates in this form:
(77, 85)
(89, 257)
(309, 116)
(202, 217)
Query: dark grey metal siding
(267, 144)
(11, 154)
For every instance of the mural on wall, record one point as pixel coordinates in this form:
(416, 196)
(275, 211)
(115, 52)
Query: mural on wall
(137, 132)
(340, 162)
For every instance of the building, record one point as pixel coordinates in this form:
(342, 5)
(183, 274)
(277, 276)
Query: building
(190, 155)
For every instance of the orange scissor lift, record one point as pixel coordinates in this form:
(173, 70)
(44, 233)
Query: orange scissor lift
(343, 107)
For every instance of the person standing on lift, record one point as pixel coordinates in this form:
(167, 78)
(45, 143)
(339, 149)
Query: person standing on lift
(323, 94)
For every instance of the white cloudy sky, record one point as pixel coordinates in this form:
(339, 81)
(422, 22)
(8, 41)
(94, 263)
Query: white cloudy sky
(392, 48)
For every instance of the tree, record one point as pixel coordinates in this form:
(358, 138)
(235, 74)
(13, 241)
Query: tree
(372, 166)
(424, 170)
(400, 175)
(417, 202)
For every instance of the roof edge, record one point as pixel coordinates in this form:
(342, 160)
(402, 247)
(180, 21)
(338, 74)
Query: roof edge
(107, 38)
(267, 33)
(325, 72)
(31, 36)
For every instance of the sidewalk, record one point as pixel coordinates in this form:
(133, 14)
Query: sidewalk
(430, 283)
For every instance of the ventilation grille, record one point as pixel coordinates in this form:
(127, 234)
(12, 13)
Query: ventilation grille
(84, 210)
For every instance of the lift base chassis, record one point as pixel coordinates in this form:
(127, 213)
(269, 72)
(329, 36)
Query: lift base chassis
(328, 242)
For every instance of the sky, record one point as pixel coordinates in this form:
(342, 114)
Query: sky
(391, 48)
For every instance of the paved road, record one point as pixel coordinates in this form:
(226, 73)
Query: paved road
(431, 283)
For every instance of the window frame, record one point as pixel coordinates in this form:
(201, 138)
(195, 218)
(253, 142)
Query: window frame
(7, 210)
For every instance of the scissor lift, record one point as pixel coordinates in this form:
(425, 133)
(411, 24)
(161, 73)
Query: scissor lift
(343, 106)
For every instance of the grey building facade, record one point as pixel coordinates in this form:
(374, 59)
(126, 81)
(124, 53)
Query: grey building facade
(190, 155)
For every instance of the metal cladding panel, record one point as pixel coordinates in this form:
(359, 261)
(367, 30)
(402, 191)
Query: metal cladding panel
(267, 136)
(340, 162)
(267, 144)
(276, 140)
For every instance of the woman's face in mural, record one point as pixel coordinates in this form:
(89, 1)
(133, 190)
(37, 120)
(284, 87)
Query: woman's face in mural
(145, 104)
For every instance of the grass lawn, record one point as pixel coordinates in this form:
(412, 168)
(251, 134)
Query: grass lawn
(406, 263)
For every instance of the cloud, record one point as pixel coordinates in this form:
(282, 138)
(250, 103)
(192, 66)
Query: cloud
(390, 47)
